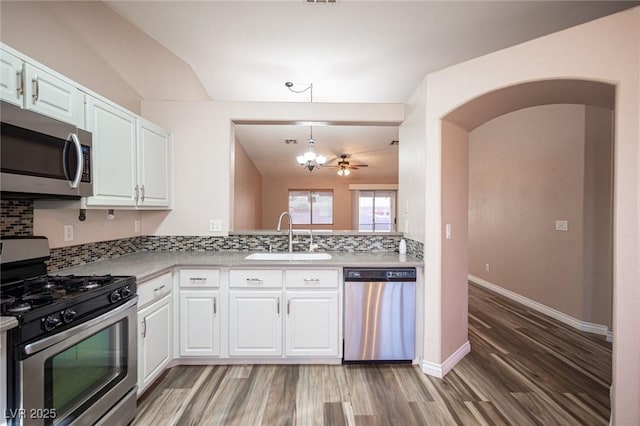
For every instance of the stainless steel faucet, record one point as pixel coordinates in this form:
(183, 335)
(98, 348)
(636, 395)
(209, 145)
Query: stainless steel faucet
(283, 214)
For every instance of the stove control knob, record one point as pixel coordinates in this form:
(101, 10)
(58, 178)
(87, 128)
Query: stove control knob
(49, 323)
(115, 297)
(125, 292)
(68, 315)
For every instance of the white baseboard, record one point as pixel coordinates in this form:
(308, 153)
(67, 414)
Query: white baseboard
(441, 370)
(589, 327)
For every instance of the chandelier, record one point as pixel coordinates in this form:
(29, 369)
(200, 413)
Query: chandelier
(310, 160)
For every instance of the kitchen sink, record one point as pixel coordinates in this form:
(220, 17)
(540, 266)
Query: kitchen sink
(289, 256)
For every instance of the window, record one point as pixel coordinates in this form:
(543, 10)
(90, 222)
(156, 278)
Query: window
(311, 207)
(376, 211)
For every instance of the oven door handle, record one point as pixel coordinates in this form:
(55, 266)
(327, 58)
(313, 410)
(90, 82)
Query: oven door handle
(35, 347)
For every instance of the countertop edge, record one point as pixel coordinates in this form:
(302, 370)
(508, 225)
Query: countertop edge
(146, 265)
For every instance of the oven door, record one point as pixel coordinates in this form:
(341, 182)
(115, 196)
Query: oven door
(81, 374)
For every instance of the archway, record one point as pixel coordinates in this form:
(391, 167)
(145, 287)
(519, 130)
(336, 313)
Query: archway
(456, 127)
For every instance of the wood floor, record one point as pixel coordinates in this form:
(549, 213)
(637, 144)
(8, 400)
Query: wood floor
(524, 369)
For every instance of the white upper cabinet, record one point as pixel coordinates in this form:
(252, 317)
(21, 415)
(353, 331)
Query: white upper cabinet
(114, 154)
(34, 88)
(50, 95)
(131, 159)
(11, 87)
(154, 165)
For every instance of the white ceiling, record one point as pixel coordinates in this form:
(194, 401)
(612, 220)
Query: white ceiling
(352, 51)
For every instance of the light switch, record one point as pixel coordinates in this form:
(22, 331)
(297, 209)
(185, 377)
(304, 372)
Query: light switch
(447, 231)
(562, 225)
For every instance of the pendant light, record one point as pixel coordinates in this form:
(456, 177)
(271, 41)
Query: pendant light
(309, 160)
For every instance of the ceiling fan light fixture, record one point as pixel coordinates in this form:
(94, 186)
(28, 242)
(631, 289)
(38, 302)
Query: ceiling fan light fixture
(344, 171)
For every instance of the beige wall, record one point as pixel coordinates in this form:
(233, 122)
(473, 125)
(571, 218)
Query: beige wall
(91, 44)
(275, 196)
(203, 141)
(454, 201)
(527, 170)
(247, 190)
(606, 50)
(598, 216)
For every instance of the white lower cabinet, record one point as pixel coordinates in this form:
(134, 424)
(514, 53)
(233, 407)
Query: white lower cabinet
(255, 323)
(199, 306)
(199, 322)
(312, 323)
(154, 341)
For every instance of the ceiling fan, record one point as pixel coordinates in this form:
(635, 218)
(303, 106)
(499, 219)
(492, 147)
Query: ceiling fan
(344, 166)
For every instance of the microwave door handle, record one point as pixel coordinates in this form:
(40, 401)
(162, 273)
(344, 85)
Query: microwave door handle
(76, 143)
(65, 159)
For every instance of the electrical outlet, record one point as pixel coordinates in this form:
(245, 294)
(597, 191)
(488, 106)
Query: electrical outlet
(136, 226)
(562, 225)
(215, 225)
(68, 232)
(487, 267)
(447, 231)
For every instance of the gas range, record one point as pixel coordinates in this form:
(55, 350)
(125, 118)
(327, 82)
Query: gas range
(72, 358)
(46, 304)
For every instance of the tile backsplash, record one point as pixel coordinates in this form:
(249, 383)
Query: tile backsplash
(65, 257)
(16, 218)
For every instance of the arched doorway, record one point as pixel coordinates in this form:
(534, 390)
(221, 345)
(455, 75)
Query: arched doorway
(455, 137)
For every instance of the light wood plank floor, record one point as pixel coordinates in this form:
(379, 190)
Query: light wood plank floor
(524, 369)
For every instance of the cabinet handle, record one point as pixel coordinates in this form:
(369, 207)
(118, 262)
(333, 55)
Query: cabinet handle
(288, 306)
(142, 193)
(311, 280)
(215, 305)
(36, 88)
(278, 306)
(144, 331)
(203, 279)
(20, 82)
(157, 289)
(254, 280)
(137, 192)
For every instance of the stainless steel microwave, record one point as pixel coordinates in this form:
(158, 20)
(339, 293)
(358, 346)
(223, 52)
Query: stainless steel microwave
(42, 157)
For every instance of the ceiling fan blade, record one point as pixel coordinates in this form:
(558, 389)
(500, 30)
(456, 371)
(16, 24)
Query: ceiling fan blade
(359, 165)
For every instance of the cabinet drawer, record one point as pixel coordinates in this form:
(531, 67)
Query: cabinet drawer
(154, 289)
(199, 278)
(264, 278)
(311, 278)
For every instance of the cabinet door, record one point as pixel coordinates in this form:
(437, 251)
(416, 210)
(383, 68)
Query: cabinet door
(199, 323)
(50, 95)
(154, 342)
(11, 88)
(154, 165)
(312, 323)
(255, 323)
(114, 154)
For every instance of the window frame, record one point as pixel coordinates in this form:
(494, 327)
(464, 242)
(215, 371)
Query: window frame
(393, 210)
(310, 195)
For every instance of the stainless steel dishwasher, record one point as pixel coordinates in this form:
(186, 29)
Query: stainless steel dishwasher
(380, 314)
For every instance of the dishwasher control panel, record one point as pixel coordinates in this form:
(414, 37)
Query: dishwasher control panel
(380, 274)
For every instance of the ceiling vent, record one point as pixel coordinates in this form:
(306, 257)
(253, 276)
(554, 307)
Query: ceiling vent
(291, 141)
(321, 1)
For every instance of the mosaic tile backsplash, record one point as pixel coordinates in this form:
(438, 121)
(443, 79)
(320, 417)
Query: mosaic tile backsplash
(16, 218)
(65, 257)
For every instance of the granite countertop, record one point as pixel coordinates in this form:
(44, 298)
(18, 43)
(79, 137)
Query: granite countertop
(147, 264)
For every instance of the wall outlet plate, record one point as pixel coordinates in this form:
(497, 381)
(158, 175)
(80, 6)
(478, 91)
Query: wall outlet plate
(215, 225)
(68, 232)
(137, 225)
(562, 225)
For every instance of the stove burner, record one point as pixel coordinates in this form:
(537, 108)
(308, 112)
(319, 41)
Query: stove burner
(19, 307)
(90, 285)
(38, 298)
